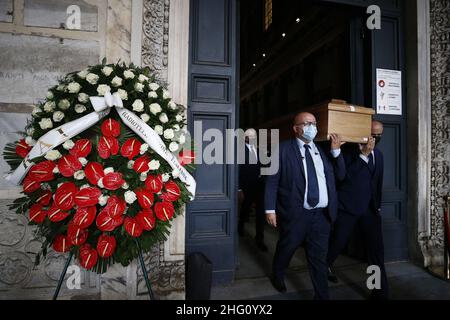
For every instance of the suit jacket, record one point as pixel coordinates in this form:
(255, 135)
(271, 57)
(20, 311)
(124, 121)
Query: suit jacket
(249, 174)
(359, 190)
(285, 190)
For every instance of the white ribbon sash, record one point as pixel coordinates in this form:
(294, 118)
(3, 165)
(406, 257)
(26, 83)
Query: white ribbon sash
(102, 107)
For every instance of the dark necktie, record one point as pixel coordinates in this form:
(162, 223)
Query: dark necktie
(313, 185)
(371, 165)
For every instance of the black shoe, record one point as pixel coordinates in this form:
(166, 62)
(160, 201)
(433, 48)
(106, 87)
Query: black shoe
(278, 284)
(331, 276)
(261, 246)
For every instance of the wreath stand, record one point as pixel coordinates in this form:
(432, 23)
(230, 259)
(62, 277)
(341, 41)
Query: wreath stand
(141, 260)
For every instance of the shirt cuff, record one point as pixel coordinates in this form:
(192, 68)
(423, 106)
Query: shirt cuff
(270, 211)
(366, 159)
(336, 152)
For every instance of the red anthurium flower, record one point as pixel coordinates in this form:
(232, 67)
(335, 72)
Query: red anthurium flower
(186, 157)
(107, 223)
(164, 210)
(172, 191)
(87, 197)
(88, 256)
(84, 216)
(93, 172)
(61, 243)
(141, 164)
(110, 128)
(107, 146)
(76, 235)
(22, 148)
(154, 184)
(37, 214)
(132, 226)
(113, 181)
(146, 219)
(30, 185)
(44, 198)
(81, 148)
(130, 148)
(55, 214)
(68, 165)
(42, 171)
(106, 245)
(64, 196)
(145, 198)
(115, 206)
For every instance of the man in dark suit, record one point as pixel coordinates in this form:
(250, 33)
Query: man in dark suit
(251, 189)
(359, 194)
(301, 200)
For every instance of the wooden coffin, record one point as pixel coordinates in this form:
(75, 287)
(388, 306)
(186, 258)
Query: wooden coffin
(352, 123)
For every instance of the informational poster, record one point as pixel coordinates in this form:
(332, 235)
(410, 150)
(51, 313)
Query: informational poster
(389, 92)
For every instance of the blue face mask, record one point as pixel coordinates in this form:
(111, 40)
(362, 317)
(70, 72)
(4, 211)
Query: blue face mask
(309, 132)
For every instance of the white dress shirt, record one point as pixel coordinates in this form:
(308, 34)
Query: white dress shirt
(321, 179)
(366, 158)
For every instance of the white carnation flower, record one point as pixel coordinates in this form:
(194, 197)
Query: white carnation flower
(100, 183)
(49, 95)
(139, 87)
(175, 173)
(173, 146)
(143, 176)
(83, 161)
(61, 87)
(116, 81)
(138, 105)
(128, 74)
(155, 108)
(144, 148)
(92, 78)
(58, 116)
(172, 105)
(145, 117)
(163, 118)
(29, 141)
(152, 94)
(30, 131)
(142, 78)
(74, 87)
(182, 138)
(46, 123)
(83, 73)
(108, 170)
(53, 155)
(179, 118)
(130, 197)
(165, 177)
(79, 108)
(68, 144)
(79, 175)
(168, 134)
(64, 104)
(166, 94)
(35, 111)
(153, 86)
(83, 97)
(159, 129)
(102, 89)
(49, 106)
(102, 200)
(107, 71)
(122, 94)
(130, 164)
(154, 165)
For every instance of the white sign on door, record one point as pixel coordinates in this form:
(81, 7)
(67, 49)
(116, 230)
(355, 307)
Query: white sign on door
(389, 92)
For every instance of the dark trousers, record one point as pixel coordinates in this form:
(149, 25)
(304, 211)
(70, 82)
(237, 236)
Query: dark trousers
(370, 225)
(312, 228)
(253, 195)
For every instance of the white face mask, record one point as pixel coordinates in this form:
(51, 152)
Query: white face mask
(309, 132)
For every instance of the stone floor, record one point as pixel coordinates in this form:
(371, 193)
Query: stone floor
(406, 280)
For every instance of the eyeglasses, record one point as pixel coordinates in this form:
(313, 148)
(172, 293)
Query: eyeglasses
(306, 124)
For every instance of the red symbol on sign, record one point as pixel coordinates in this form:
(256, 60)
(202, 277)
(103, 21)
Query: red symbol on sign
(381, 83)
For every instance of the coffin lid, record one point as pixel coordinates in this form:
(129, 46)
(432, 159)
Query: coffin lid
(342, 105)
